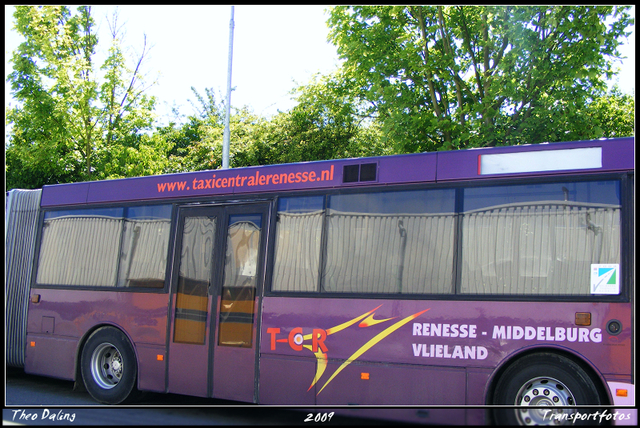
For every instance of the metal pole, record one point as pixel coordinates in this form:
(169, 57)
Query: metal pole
(225, 143)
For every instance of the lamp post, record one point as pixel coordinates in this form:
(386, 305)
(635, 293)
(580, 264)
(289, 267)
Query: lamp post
(225, 142)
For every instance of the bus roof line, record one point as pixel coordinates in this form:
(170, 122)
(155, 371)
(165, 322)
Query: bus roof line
(429, 167)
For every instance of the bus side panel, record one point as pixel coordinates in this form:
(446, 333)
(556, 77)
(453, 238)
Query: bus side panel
(50, 355)
(283, 381)
(392, 384)
(61, 318)
(477, 381)
(151, 370)
(384, 345)
(280, 380)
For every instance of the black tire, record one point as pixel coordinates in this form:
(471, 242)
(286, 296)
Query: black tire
(109, 367)
(545, 379)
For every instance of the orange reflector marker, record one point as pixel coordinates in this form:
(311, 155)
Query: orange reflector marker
(160, 357)
(621, 392)
(364, 376)
(33, 344)
(583, 318)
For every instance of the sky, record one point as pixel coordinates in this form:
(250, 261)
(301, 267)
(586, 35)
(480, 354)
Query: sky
(275, 49)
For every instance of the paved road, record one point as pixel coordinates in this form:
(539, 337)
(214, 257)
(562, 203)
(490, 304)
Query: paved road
(36, 400)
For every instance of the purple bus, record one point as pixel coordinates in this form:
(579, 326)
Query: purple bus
(467, 287)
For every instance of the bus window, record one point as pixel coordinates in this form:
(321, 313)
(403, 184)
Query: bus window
(298, 236)
(80, 247)
(240, 280)
(196, 260)
(540, 238)
(105, 247)
(390, 242)
(143, 257)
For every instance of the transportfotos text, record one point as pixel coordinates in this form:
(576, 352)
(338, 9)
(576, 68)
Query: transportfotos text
(599, 417)
(253, 180)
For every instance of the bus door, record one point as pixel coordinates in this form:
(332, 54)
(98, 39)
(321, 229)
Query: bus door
(216, 287)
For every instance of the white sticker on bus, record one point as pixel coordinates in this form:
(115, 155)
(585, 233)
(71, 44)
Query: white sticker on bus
(605, 278)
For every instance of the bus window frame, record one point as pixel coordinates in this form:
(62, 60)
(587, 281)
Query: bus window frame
(38, 246)
(626, 190)
(626, 245)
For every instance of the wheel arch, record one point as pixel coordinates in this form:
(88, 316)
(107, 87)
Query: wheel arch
(589, 368)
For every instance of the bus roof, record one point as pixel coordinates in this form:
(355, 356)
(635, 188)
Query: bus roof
(513, 161)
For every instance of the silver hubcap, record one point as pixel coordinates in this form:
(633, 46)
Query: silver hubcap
(106, 366)
(544, 392)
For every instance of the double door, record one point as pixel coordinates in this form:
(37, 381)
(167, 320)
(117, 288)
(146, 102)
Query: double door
(216, 283)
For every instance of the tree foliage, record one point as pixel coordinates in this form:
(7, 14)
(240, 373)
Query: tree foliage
(197, 143)
(414, 78)
(325, 124)
(75, 121)
(613, 113)
(445, 77)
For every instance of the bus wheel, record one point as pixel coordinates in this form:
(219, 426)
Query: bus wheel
(108, 364)
(545, 387)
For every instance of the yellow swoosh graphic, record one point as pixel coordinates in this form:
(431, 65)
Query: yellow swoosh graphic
(370, 321)
(343, 325)
(322, 365)
(371, 343)
(322, 358)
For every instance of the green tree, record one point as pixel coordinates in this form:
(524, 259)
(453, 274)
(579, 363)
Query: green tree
(197, 142)
(613, 113)
(74, 121)
(326, 123)
(445, 77)
(194, 141)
